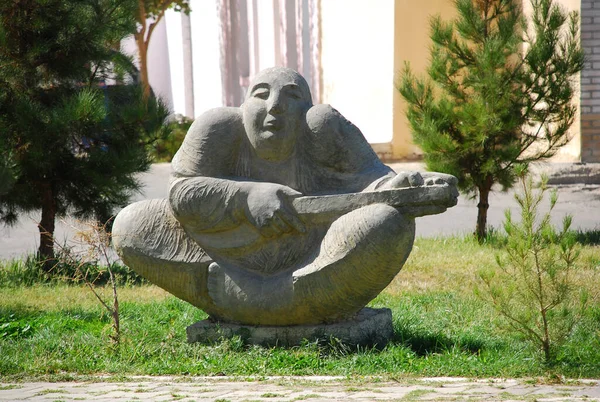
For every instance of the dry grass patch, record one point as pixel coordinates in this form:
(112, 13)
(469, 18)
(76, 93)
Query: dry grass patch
(442, 264)
(56, 297)
(452, 264)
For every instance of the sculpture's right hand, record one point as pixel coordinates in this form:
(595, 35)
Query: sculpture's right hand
(269, 209)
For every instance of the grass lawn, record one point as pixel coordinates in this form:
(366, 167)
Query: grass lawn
(441, 329)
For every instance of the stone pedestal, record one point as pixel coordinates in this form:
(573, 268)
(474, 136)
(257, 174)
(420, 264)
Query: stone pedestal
(370, 327)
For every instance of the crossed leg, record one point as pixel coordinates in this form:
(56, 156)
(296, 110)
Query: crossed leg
(153, 243)
(359, 256)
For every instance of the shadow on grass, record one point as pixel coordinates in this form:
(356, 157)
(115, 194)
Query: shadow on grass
(427, 343)
(497, 238)
(588, 238)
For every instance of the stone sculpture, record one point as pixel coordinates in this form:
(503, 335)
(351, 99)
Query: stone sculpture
(279, 213)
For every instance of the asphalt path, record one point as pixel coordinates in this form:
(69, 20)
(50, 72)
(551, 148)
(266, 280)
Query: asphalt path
(582, 201)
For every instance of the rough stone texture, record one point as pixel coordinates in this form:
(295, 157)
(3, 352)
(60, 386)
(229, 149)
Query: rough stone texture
(279, 213)
(370, 327)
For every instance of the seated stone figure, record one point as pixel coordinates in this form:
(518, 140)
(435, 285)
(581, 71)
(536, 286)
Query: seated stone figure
(279, 212)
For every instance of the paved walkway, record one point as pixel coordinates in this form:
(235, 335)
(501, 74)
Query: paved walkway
(222, 389)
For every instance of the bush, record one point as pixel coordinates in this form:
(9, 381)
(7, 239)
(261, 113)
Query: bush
(164, 149)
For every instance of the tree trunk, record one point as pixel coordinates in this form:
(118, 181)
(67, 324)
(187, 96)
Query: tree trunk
(144, 71)
(482, 210)
(46, 228)
(143, 54)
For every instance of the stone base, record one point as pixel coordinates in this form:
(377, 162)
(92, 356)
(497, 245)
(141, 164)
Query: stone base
(370, 327)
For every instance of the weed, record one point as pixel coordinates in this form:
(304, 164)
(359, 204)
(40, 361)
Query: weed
(29, 272)
(307, 396)
(51, 391)
(11, 327)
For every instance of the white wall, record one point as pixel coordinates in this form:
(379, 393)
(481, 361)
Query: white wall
(175, 57)
(206, 55)
(266, 35)
(358, 63)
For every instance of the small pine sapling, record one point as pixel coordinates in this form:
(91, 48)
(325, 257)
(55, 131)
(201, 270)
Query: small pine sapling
(533, 289)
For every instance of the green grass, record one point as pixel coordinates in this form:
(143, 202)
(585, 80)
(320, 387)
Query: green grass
(30, 271)
(54, 329)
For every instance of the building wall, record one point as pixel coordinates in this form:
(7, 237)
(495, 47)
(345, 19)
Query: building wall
(590, 81)
(205, 55)
(357, 53)
(411, 43)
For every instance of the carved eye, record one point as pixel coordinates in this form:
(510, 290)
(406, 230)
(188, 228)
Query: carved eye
(261, 93)
(293, 92)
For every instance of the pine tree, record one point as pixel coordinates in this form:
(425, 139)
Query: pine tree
(6, 174)
(499, 94)
(75, 143)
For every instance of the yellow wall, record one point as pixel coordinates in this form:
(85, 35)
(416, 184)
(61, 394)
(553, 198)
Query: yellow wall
(411, 43)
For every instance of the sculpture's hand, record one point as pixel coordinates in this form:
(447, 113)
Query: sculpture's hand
(424, 180)
(268, 208)
(416, 179)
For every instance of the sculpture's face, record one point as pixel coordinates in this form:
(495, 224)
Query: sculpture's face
(274, 112)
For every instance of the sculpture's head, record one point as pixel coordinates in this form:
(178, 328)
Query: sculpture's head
(274, 110)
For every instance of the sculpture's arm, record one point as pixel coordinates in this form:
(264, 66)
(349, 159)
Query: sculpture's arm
(199, 199)
(208, 204)
(205, 204)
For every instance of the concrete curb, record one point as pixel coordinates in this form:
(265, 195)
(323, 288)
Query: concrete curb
(558, 173)
(574, 173)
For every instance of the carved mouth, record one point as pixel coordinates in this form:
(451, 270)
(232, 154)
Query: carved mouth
(272, 124)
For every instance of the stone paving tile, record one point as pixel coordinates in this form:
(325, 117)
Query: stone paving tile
(294, 389)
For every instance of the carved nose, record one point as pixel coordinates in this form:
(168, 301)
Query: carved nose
(277, 106)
